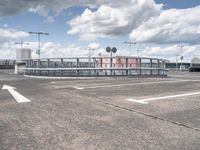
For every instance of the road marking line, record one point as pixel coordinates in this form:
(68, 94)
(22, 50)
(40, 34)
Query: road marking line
(119, 85)
(78, 88)
(137, 101)
(18, 97)
(187, 76)
(145, 101)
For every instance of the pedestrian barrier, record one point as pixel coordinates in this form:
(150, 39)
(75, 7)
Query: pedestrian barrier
(96, 66)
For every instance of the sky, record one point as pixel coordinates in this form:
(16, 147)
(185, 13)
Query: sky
(156, 26)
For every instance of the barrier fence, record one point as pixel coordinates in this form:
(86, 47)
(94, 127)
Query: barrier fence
(7, 64)
(96, 66)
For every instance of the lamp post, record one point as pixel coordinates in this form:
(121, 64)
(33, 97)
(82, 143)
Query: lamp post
(90, 53)
(21, 43)
(89, 57)
(181, 47)
(130, 44)
(39, 34)
(176, 62)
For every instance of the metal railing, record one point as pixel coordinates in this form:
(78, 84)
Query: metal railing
(7, 64)
(96, 66)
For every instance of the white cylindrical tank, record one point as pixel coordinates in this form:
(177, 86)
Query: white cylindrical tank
(23, 54)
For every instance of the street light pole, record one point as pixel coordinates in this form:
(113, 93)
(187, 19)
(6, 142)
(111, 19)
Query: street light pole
(181, 47)
(130, 44)
(176, 62)
(89, 57)
(138, 52)
(21, 43)
(90, 53)
(39, 34)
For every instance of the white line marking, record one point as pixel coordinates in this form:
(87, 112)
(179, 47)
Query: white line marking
(58, 78)
(79, 88)
(187, 76)
(119, 85)
(137, 101)
(145, 101)
(18, 97)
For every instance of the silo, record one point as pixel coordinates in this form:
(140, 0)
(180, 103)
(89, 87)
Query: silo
(23, 54)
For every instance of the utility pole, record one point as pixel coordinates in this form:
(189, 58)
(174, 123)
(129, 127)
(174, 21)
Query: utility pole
(39, 34)
(21, 43)
(130, 44)
(181, 47)
(177, 61)
(138, 52)
(89, 56)
(90, 53)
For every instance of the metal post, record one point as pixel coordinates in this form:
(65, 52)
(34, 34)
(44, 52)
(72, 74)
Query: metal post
(101, 62)
(48, 63)
(77, 66)
(151, 66)
(111, 62)
(130, 43)
(38, 52)
(140, 63)
(38, 63)
(48, 66)
(176, 62)
(89, 58)
(62, 64)
(158, 61)
(181, 47)
(181, 58)
(163, 67)
(127, 66)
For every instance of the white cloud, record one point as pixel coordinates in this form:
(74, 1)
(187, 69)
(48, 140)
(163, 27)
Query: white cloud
(110, 20)
(42, 11)
(56, 50)
(171, 26)
(8, 34)
(144, 19)
(43, 7)
(170, 52)
(7, 50)
(93, 45)
(48, 50)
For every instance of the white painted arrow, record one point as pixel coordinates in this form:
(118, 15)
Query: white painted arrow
(18, 97)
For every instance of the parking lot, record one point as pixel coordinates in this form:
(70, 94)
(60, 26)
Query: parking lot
(100, 113)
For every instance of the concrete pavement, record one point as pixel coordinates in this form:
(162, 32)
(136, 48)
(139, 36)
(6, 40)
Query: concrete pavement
(97, 114)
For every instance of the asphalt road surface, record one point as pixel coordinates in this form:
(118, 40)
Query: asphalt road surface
(102, 113)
